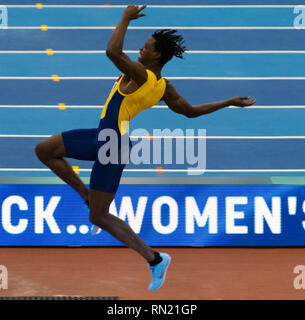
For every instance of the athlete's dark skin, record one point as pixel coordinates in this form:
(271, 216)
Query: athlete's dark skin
(52, 150)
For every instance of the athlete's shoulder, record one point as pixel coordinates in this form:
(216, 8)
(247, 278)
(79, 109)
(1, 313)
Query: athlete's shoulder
(170, 90)
(169, 85)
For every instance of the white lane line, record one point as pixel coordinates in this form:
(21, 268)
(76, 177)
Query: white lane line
(168, 137)
(57, 78)
(51, 107)
(163, 170)
(218, 137)
(137, 51)
(109, 6)
(170, 78)
(151, 28)
(154, 107)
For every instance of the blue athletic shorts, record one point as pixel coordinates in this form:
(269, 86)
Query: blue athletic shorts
(83, 144)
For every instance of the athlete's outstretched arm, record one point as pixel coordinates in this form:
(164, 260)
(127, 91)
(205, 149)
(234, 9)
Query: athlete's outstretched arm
(135, 70)
(180, 105)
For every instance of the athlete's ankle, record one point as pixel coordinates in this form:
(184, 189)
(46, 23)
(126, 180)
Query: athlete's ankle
(156, 260)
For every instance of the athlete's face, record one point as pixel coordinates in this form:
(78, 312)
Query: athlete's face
(148, 52)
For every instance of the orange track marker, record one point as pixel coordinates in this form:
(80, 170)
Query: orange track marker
(160, 170)
(150, 137)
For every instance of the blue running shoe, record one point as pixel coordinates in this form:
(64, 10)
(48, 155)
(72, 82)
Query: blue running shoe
(158, 272)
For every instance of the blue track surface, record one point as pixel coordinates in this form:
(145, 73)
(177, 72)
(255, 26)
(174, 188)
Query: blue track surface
(222, 154)
(226, 122)
(157, 2)
(98, 65)
(194, 39)
(95, 92)
(199, 17)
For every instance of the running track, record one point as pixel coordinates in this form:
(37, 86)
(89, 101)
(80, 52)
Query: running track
(234, 48)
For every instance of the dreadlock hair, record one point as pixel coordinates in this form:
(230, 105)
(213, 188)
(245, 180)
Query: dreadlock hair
(168, 44)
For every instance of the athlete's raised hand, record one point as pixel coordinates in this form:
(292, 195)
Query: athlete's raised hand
(133, 12)
(242, 101)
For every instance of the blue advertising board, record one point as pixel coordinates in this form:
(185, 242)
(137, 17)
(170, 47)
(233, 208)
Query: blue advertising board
(162, 215)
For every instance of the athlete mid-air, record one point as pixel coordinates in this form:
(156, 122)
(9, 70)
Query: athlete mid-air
(140, 87)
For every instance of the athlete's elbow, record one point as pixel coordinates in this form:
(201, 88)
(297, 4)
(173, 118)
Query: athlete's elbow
(112, 52)
(187, 115)
(190, 113)
(109, 52)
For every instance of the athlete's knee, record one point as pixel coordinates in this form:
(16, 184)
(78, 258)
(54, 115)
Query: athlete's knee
(99, 218)
(50, 148)
(42, 151)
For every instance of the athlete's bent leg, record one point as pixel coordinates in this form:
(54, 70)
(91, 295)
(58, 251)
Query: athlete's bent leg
(99, 203)
(51, 152)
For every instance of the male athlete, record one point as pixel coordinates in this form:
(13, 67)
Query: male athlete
(140, 87)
